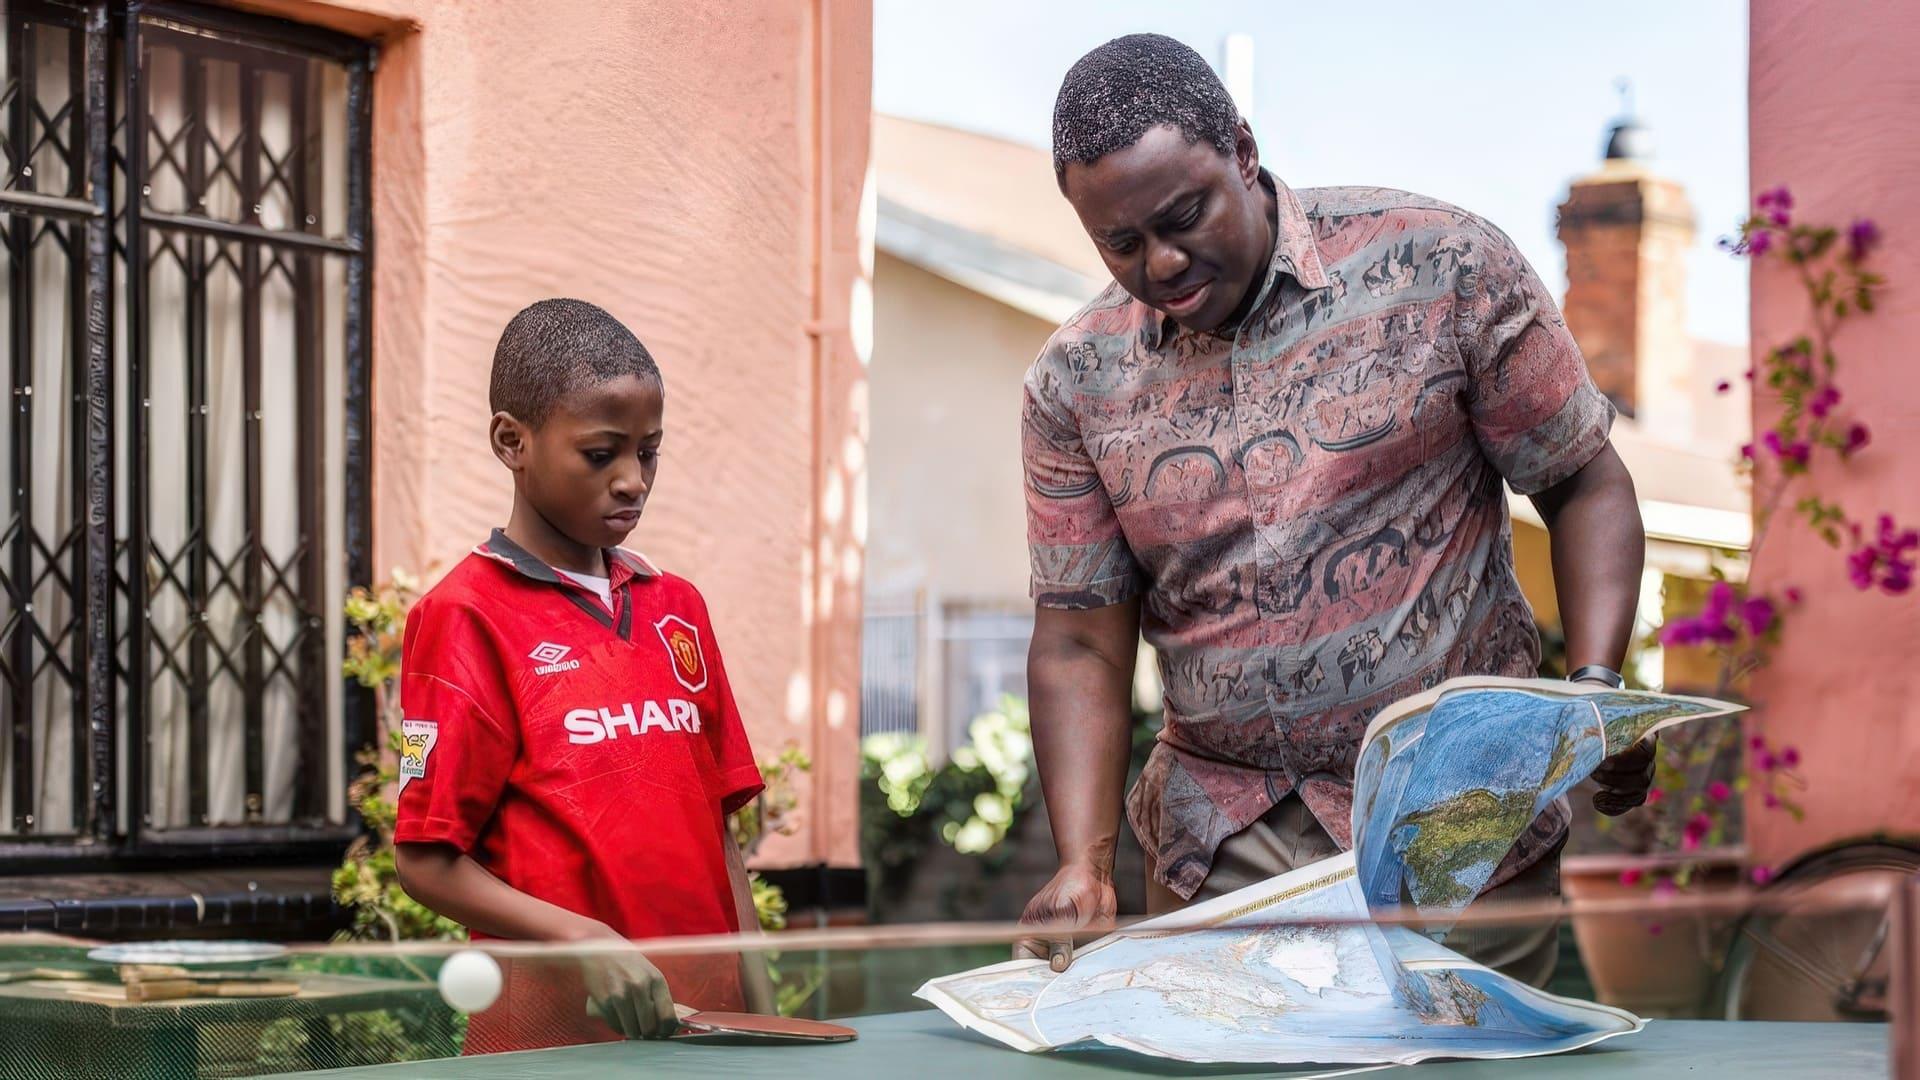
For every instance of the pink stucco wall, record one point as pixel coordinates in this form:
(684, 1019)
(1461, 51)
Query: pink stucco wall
(1834, 108)
(697, 170)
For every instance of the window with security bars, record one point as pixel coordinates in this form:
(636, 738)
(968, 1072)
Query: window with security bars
(184, 222)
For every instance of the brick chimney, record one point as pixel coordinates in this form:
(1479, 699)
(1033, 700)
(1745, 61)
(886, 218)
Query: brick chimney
(1627, 233)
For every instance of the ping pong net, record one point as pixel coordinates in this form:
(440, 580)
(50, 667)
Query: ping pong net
(1839, 950)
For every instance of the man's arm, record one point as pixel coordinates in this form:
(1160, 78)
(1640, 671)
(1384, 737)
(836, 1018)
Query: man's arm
(1599, 547)
(1080, 681)
(629, 992)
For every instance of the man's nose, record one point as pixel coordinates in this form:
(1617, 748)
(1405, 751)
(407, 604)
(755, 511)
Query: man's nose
(1166, 262)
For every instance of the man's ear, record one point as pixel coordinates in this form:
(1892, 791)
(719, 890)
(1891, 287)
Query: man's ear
(1246, 154)
(510, 439)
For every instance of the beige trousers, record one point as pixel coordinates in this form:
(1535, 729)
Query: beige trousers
(1288, 837)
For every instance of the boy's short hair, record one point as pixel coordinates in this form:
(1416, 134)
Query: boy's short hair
(556, 347)
(1121, 90)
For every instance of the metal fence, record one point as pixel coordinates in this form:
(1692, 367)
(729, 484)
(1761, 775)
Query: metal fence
(930, 665)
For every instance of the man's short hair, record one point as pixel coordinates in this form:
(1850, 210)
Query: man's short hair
(556, 347)
(1119, 91)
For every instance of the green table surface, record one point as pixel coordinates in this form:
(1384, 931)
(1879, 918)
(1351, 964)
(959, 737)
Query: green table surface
(922, 1045)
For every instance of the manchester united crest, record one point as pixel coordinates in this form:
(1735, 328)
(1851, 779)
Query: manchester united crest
(683, 652)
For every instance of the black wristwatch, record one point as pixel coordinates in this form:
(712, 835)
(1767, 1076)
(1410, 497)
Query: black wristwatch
(1598, 673)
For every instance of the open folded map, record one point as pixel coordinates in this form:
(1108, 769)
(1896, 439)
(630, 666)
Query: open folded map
(1290, 971)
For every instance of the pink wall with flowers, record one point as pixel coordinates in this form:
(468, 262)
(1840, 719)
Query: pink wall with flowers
(1834, 110)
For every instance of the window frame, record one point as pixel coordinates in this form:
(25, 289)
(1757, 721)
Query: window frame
(112, 828)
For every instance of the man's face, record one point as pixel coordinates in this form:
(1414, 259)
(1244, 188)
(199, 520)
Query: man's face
(588, 468)
(1181, 226)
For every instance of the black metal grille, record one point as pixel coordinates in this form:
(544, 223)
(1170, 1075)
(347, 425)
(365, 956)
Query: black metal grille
(170, 565)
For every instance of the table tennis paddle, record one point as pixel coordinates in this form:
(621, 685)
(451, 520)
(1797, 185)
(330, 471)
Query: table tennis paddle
(729, 1027)
(733, 1028)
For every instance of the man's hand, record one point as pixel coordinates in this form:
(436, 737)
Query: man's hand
(1625, 777)
(1078, 894)
(629, 993)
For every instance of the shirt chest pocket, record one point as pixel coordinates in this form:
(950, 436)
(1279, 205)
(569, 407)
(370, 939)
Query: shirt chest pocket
(1349, 421)
(609, 723)
(1172, 448)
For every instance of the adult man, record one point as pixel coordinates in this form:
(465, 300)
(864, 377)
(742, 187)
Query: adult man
(1276, 446)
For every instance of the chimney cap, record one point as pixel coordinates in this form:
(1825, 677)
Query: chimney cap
(1628, 139)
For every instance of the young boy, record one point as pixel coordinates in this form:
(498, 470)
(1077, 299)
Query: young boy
(572, 746)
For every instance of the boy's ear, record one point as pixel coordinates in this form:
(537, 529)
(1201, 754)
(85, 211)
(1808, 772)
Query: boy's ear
(510, 439)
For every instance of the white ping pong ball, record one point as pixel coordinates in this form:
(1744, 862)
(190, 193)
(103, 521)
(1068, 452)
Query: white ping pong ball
(470, 981)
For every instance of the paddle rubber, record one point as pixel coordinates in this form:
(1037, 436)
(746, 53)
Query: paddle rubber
(726, 1027)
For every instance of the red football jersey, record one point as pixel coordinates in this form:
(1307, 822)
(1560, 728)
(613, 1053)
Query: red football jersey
(585, 756)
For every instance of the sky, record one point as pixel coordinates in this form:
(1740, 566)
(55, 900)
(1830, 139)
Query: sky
(1493, 105)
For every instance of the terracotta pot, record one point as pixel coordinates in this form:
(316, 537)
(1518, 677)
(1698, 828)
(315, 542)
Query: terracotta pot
(1651, 963)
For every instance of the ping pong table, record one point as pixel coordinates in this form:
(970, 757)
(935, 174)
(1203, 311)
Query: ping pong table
(925, 1044)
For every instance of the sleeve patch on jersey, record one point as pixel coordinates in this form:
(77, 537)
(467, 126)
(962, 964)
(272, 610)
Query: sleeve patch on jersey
(417, 738)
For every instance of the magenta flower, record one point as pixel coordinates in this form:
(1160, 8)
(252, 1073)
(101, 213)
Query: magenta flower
(1682, 632)
(1665, 887)
(1770, 801)
(1793, 595)
(1654, 797)
(1823, 401)
(1759, 243)
(1758, 614)
(1758, 742)
(1789, 756)
(1768, 761)
(1630, 876)
(1718, 791)
(1746, 451)
(1722, 386)
(1719, 599)
(1857, 437)
(1777, 202)
(1762, 874)
(1799, 451)
(1887, 561)
(1862, 237)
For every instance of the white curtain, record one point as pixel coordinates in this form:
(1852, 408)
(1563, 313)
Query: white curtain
(169, 521)
(49, 509)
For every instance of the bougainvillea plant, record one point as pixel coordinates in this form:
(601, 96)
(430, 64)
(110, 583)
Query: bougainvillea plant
(1814, 432)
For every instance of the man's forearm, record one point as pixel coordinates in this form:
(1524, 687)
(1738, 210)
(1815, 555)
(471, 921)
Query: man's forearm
(1599, 548)
(1080, 681)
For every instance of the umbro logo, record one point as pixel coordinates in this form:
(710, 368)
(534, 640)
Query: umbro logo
(552, 658)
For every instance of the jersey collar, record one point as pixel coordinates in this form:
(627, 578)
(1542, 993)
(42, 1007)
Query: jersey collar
(622, 565)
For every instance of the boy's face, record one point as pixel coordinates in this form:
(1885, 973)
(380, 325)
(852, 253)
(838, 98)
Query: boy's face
(587, 470)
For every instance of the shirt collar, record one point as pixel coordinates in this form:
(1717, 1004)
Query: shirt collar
(1295, 254)
(622, 565)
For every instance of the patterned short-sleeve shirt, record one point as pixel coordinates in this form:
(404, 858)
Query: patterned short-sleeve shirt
(1310, 507)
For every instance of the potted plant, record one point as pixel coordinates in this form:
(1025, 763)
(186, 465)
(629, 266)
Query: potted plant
(1686, 837)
